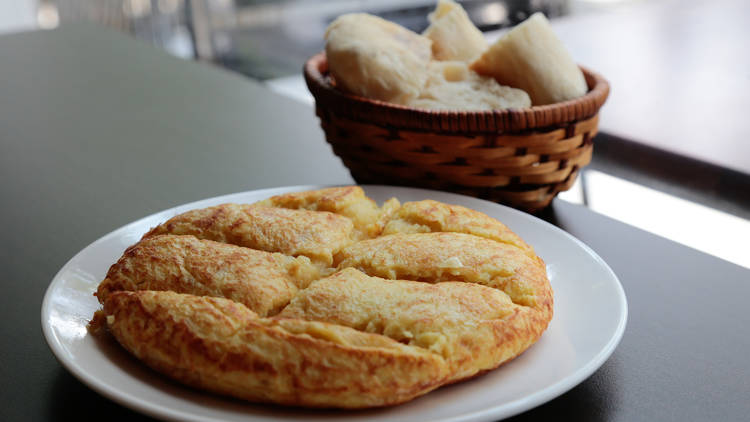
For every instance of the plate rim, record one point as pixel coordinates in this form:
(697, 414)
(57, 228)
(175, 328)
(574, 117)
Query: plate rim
(502, 411)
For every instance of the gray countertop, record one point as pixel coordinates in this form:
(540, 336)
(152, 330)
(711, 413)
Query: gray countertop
(97, 130)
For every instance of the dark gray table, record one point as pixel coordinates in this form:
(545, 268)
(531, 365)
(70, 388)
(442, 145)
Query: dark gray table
(97, 130)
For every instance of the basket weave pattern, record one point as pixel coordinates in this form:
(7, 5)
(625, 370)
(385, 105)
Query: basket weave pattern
(519, 157)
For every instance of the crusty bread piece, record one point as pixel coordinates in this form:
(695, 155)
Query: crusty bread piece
(349, 201)
(452, 86)
(263, 281)
(453, 35)
(219, 345)
(432, 216)
(532, 58)
(315, 234)
(375, 58)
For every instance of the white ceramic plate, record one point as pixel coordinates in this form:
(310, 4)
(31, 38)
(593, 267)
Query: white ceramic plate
(590, 316)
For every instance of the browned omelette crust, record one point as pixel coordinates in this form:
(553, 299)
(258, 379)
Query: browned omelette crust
(315, 234)
(433, 216)
(436, 257)
(473, 327)
(349, 201)
(220, 345)
(461, 291)
(263, 281)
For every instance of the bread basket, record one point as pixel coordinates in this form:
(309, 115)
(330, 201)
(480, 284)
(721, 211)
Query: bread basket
(518, 157)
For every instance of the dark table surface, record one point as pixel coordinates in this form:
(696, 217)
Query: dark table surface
(97, 130)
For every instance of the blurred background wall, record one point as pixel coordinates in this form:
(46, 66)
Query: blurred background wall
(262, 39)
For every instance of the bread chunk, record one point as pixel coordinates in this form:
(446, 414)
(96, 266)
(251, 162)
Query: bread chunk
(532, 58)
(264, 282)
(220, 345)
(349, 201)
(375, 58)
(315, 234)
(452, 86)
(453, 35)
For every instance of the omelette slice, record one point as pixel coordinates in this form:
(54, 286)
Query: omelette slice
(315, 234)
(220, 345)
(263, 281)
(433, 216)
(473, 327)
(438, 257)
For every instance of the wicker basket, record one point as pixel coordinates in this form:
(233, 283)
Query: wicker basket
(518, 157)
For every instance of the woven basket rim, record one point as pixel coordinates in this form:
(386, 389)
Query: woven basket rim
(328, 97)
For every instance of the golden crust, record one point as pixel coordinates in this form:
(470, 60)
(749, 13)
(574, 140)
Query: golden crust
(263, 281)
(349, 201)
(433, 216)
(462, 322)
(423, 295)
(436, 257)
(314, 234)
(220, 345)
